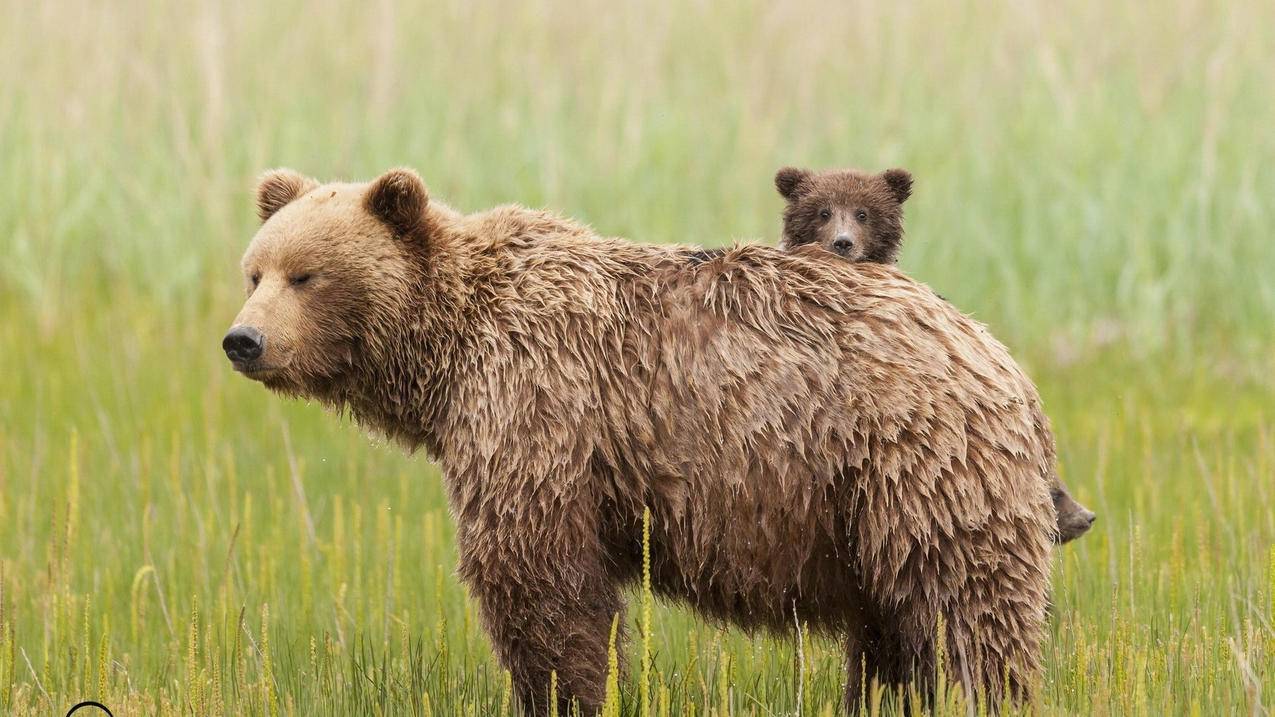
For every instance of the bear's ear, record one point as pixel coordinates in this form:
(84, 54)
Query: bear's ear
(278, 187)
(398, 198)
(789, 181)
(900, 183)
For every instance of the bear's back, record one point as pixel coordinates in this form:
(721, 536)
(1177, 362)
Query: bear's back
(770, 403)
(765, 331)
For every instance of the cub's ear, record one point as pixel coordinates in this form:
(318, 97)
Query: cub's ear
(398, 198)
(900, 183)
(278, 187)
(789, 181)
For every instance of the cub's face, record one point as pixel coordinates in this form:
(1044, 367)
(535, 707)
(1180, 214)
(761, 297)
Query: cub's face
(853, 214)
(1074, 519)
(320, 267)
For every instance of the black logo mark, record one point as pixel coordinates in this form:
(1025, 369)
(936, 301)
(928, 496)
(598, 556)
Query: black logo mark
(89, 703)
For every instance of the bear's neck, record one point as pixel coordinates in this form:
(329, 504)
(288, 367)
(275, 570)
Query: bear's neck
(414, 343)
(496, 293)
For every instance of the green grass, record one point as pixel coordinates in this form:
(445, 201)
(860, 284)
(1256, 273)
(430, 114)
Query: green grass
(1093, 181)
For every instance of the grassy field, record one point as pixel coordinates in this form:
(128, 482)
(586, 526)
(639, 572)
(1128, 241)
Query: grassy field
(1093, 181)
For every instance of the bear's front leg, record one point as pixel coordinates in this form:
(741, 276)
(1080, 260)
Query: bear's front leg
(547, 605)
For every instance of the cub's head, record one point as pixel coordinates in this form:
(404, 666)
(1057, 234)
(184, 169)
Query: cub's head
(328, 261)
(1074, 519)
(853, 214)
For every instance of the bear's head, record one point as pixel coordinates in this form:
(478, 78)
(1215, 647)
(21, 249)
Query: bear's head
(329, 267)
(1074, 519)
(853, 214)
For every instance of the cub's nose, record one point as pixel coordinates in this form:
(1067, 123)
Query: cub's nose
(842, 244)
(1088, 517)
(243, 343)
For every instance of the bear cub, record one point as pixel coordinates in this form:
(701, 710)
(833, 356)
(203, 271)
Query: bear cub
(859, 217)
(856, 215)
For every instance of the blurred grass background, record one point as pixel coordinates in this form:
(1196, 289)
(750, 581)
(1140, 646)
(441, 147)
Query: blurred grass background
(1093, 181)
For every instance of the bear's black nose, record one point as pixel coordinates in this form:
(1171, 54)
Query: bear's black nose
(243, 343)
(842, 244)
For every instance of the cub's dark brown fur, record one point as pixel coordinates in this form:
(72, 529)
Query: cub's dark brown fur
(859, 216)
(817, 441)
(853, 214)
(1074, 519)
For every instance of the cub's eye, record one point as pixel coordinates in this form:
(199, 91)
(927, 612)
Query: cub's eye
(299, 279)
(861, 215)
(256, 279)
(825, 214)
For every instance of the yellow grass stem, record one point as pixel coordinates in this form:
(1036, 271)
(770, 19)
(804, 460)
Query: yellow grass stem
(644, 691)
(553, 693)
(611, 698)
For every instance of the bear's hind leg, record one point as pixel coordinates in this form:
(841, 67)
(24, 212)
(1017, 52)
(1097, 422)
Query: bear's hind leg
(997, 651)
(858, 658)
(871, 665)
(877, 658)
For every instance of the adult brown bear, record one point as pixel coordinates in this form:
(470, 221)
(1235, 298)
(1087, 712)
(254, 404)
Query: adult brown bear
(816, 440)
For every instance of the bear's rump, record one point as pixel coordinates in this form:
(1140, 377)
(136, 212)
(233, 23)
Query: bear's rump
(769, 432)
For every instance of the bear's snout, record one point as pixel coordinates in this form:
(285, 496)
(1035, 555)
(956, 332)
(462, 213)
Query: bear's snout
(842, 244)
(243, 344)
(1074, 524)
(1084, 519)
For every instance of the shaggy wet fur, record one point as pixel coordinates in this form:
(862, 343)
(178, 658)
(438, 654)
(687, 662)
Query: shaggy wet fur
(817, 441)
(866, 212)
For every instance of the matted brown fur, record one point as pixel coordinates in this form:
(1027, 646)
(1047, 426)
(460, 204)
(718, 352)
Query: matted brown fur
(858, 216)
(817, 441)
